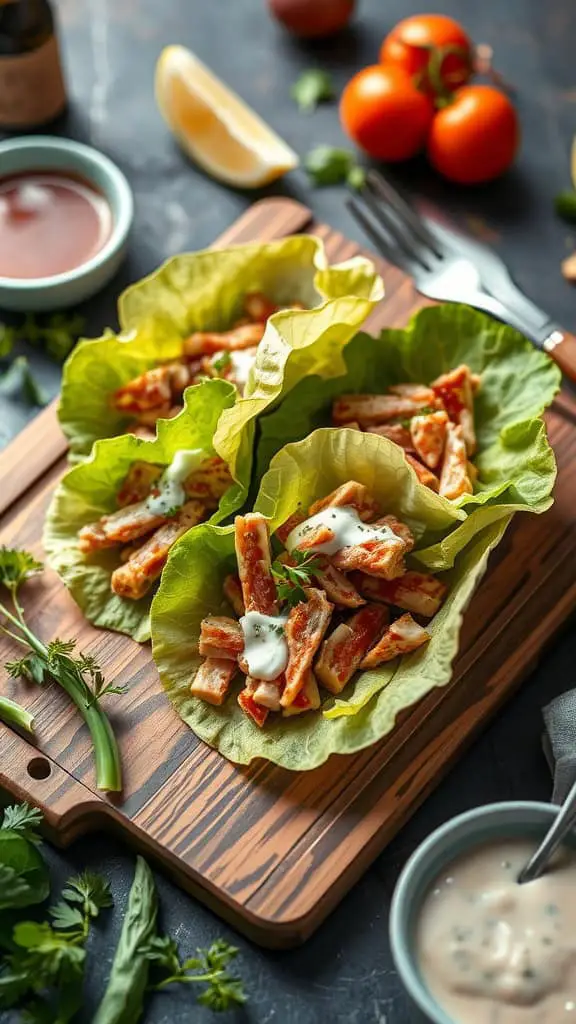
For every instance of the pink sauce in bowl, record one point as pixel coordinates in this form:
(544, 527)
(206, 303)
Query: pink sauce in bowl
(51, 222)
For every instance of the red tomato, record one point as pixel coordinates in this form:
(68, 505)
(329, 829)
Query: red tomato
(417, 42)
(475, 137)
(310, 18)
(385, 114)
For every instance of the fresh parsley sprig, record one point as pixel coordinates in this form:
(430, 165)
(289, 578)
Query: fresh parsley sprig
(79, 676)
(292, 579)
(47, 963)
(208, 967)
(24, 819)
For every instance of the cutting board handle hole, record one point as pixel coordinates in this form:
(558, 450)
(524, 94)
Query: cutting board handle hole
(39, 768)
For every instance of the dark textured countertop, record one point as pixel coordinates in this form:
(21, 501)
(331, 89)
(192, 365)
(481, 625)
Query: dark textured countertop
(344, 973)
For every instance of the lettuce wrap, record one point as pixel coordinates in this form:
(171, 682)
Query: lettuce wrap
(515, 462)
(367, 708)
(198, 292)
(89, 490)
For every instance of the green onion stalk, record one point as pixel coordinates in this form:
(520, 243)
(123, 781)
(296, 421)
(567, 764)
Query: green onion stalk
(106, 753)
(12, 713)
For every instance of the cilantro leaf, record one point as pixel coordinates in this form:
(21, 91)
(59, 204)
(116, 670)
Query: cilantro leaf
(23, 818)
(30, 667)
(19, 376)
(163, 951)
(222, 989)
(64, 916)
(89, 889)
(16, 566)
(327, 165)
(221, 361)
(292, 579)
(311, 88)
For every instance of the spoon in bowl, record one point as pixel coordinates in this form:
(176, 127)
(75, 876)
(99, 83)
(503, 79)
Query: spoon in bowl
(559, 829)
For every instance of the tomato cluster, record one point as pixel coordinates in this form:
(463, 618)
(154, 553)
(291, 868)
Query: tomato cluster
(419, 97)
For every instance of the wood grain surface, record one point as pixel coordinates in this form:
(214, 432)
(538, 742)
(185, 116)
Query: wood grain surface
(270, 850)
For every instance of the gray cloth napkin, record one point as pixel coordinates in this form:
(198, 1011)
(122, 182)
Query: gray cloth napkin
(560, 743)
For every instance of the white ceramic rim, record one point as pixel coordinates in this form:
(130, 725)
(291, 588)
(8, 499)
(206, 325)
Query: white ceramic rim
(118, 187)
(414, 867)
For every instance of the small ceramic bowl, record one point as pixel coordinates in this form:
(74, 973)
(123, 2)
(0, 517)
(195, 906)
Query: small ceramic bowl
(483, 824)
(45, 152)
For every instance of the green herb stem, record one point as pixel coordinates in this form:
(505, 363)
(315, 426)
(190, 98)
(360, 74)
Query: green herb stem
(106, 752)
(14, 714)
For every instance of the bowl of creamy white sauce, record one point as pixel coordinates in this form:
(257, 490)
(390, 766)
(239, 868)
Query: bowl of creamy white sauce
(470, 944)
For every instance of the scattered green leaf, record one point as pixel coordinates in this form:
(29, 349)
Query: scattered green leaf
(23, 818)
(565, 206)
(19, 377)
(58, 335)
(327, 165)
(17, 566)
(222, 361)
(222, 991)
(311, 88)
(23, 873)
(356, 177)
(91, 891)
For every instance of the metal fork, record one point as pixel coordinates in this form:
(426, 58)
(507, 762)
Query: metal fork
(449, 267)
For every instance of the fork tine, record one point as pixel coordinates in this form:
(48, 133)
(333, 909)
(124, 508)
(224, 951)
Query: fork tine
(386, 192)
(377, 236)
(387, 218)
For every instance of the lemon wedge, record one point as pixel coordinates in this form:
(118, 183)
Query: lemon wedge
(214, 126)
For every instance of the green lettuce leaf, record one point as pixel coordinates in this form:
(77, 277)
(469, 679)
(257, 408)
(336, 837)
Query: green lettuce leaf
(194, 292)
(515, 461)
(367, 708)
(89, 489)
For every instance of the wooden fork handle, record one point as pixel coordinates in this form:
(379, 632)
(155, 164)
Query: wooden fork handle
(561, 346)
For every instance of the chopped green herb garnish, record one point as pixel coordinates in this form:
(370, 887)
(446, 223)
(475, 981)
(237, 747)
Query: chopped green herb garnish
(311, 88)
(222, 361)
(425, 411)
(327, 165)
(292, 579)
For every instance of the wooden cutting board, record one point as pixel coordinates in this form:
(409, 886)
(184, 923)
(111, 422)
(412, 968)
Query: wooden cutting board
(270, 850)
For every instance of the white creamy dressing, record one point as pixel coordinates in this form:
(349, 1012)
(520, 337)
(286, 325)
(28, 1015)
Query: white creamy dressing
(495, 952)
(170, 494)
(347, 527)
(242, 363)
(265, 647)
